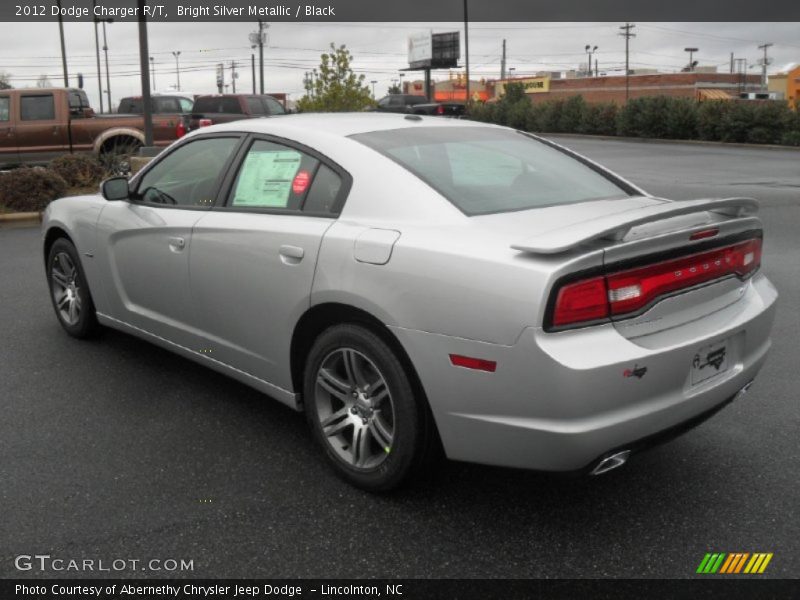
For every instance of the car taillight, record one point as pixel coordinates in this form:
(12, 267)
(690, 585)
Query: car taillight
(627, 292)
(440, 110)
(581, 301)
(204, 122)
(180, 129)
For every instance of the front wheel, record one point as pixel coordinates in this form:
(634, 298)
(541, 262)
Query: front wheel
(69, 291)
(363, 408)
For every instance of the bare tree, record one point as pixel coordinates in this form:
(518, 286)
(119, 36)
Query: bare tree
(43, 82)
(4, 81)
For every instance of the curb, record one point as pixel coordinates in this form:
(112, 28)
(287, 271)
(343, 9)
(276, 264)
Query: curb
(30, 219)
(666, 141)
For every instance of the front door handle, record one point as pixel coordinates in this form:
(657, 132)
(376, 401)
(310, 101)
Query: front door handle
(291, 255)
(176, 244)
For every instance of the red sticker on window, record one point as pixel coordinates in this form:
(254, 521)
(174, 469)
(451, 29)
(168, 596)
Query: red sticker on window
(300, 182)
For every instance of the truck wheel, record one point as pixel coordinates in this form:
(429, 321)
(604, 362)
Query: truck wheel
(115, 155)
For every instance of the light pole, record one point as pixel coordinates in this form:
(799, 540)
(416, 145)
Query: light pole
(590, 50)
(691, 52)
(176, 54)
(63, 47)
(466, 51)
(108, 77)
(153, 71)
(373, 82)
(401, 75)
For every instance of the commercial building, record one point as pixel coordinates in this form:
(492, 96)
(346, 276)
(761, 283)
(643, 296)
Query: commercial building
(786, 86)
(697, 85)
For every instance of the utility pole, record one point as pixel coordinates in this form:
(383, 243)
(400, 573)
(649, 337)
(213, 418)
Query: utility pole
(143, 54)
(253, 67)
(108, 77)
(233, 75)
(63, 47)
(627, 35)
(503, 62)
(466, 51)
(177, 54)
(153, 71)
(764, 64)
(731, 63)
(261, 34)
(97, 53)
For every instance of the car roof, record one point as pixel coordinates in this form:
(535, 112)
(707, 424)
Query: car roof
(340, 124)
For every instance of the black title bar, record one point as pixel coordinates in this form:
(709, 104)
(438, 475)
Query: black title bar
(407, 10)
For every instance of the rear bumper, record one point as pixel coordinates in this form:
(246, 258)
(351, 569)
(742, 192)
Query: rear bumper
(560, 401)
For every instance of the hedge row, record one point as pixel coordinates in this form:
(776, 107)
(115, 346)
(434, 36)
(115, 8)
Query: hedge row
(661, 117)
(31, 189)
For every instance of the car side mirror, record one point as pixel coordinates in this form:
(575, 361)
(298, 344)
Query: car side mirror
(115, 188)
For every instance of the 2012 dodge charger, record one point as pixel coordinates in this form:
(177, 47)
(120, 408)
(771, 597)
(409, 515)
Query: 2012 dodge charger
(415, 284)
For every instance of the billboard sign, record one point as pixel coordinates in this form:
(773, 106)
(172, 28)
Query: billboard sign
(420, 49)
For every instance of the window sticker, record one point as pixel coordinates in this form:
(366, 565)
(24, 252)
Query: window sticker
(266, 178)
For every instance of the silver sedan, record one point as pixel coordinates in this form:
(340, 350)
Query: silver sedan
(419, 284)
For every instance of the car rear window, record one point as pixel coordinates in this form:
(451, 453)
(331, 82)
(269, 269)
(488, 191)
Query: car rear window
(484, 170)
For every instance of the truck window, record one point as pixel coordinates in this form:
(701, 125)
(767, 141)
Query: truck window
(186, 105)
(254, 106)
(231, 105)
(37, 108)
(5, 103)
(273, 106)
(166, 105)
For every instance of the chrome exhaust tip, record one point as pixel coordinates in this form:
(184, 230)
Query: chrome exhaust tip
(612, 462)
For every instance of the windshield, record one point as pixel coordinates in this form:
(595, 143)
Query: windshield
(484, 170)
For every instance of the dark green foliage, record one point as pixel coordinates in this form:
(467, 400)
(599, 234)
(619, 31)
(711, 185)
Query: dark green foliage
(659, 117)
(30, 189)
(79, 170)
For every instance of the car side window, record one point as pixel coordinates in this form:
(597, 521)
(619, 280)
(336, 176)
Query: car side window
(37, 108)
(5, 108)
(187, 176)
(273, 176)
(324, 192)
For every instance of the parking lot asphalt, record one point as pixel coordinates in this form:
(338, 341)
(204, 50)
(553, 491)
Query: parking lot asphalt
(115, 449)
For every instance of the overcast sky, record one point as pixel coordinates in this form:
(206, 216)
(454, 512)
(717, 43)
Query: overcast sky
(28, 50)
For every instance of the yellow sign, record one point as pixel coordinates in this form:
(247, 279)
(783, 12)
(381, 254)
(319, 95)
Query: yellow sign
(532, 85)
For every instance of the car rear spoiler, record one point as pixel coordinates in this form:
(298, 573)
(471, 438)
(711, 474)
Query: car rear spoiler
(616, 227)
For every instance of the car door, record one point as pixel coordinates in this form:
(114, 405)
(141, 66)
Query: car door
(40, 134)
(8, 139)
(253, 260)
(144, 243)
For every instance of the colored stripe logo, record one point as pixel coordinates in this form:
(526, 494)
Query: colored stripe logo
(734, 562)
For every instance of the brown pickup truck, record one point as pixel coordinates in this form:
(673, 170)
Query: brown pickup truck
(37, 125)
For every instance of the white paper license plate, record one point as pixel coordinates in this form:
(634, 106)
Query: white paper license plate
(710, 361)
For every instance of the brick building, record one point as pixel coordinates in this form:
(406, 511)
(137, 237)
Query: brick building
(699, 86)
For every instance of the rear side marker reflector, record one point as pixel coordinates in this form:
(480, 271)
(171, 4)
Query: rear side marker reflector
(469, 362)
(630, 291)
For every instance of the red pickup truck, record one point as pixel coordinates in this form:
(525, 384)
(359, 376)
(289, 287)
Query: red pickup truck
(37, 125)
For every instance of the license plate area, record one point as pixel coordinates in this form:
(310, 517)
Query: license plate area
(710, 361)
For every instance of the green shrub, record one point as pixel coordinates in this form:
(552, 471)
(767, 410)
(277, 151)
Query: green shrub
(571, 116)
(791, 138)
(517, 114)
(79, 170)
(710, 115)
(30, 189)
(681, 122)
(550, 117)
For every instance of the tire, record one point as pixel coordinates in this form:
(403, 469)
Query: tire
(356, 390)
(69, 292)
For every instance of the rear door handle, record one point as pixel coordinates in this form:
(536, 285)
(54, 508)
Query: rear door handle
(291, 255)
(177, 244)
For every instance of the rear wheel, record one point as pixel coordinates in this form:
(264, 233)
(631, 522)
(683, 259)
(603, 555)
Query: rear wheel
(69, 291)
(363, 409)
